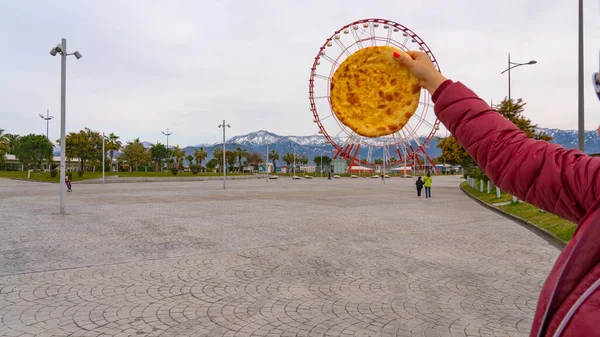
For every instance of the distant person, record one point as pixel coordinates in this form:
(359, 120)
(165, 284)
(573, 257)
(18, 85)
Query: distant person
(329, 175)
(564, 182)
(419, 184)
(68, 183)
(427, 183)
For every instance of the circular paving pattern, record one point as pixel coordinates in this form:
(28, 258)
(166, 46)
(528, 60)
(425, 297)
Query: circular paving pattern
(348, 258)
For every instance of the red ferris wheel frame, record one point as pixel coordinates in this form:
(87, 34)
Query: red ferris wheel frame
(350, 149)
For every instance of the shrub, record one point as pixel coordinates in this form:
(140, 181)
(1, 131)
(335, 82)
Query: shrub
(79, 174)
(174, 171)
(70, 175)
(53, 173)
(194, 168)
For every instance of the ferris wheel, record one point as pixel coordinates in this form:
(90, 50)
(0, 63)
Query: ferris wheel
(406, 145)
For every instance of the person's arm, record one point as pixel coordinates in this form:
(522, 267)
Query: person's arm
(564, 182)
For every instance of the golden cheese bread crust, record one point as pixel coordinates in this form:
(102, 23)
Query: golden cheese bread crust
(372, 93)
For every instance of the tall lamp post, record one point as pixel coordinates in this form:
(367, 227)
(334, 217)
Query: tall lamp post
(580, 107)
(267, 164)
(61, 49)
(322, 153)
(47, 118)
(512, 65)
(103, 155)
(224, 159)
(167, 134)
(168, 151)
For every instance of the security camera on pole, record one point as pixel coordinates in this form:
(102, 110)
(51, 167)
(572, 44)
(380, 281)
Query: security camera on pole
(62, 50)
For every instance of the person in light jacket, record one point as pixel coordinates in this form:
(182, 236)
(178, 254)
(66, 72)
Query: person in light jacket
(564, 182)
(427, 182)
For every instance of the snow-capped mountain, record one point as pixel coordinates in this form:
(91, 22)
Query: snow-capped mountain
(569, 139)
(263, 137)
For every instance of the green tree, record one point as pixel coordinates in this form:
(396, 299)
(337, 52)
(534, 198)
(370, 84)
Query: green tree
(241, 153)
(326, 160)
(112, 145)
(513, 111)
(3, 148)
(212, 164)
(190, 159)
(231, 157)
(159, 154)
(200, 155)
(322, 161)
(218, 156)
(378, 161)
(85, 145)
(136, 154)
(179, 154)
(288, 158)
(453, 153)
(33, 149)
(273, 156)
(254, 159)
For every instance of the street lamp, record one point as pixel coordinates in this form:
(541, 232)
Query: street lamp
(47, 118)
(168, 151)
(322, 153)
(61, 49)
(294, 169)
(580, 105)
(512, 65)
(224, 159)
(267, 163)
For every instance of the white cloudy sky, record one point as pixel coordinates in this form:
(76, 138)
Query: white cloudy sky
(186, 65)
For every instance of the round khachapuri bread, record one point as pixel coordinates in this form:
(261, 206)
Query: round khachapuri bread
(372, 93)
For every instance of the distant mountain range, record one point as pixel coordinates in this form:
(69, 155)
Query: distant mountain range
(312, 146)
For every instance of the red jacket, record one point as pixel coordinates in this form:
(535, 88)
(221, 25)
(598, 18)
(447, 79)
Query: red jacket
(564, 182)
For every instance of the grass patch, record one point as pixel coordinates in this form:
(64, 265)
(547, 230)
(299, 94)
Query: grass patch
(561, 228)
(45, 176)
(558, 226)
(487, 198)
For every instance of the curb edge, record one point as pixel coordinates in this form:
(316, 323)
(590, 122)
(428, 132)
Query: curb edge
(544, 234)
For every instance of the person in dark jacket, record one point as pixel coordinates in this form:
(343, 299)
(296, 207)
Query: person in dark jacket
(419, 184)
(564, 182)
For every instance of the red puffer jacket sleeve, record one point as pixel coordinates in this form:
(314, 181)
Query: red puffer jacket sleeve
(564, 182)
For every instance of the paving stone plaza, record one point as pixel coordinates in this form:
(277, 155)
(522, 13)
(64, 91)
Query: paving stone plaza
(348, 257)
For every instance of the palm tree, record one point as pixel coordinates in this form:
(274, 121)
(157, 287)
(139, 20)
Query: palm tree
(200, 155)
(179, 154)
(190, 159)
(10, 142)
(273, 156)
(218, 155)
(3, 140)
(112, 145)
(241, 153)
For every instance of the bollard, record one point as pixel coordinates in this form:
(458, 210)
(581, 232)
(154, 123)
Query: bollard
(515, 200)
(28, 174)
(481, 186)
(489, 187)
(498, 192)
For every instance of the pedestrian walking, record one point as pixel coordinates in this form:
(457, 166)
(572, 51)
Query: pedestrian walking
(427, 183)
(68, 183)
(419, 184)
